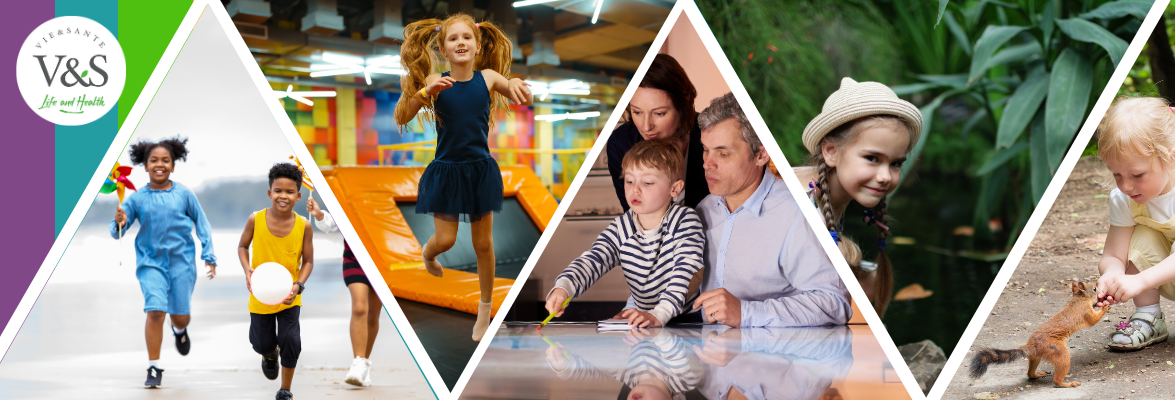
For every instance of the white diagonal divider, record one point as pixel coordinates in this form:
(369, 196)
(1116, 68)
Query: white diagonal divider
(1046, 201)
(79, 210)
(686, 11)
(597, 148)
(815, 221)
(214, 9)
(365, 261)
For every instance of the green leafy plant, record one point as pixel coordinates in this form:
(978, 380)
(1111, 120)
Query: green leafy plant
(1033, 67)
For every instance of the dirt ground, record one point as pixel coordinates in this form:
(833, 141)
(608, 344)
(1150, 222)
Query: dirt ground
(1067, 247)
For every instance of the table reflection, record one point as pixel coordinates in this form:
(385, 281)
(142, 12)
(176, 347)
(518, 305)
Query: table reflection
(693, 362)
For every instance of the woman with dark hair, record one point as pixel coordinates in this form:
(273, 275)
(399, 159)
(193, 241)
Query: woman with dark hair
(662, 108)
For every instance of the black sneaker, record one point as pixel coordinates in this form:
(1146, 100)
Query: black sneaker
(183, 343)
(154, 377)
(269, 366)
(284, 395)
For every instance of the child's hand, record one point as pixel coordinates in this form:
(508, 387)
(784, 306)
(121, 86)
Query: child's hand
(249, 279)
(1103, 296)
(120, 217)
(555, 357)
(555, 301)
(635, 336)
(293, 294)
(640, 319)
(312, 208)
(211, 270)
(439, 85)
(519, 91)
(1124, 287)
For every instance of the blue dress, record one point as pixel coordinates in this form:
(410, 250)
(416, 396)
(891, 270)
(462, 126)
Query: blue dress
(164, 248)
(463, 182)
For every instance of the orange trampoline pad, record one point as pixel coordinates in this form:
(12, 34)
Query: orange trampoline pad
(368, 195)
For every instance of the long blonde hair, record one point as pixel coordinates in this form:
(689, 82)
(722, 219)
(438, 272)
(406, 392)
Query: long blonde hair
(421, 54)
(841, 137)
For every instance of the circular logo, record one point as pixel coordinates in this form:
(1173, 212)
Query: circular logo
(71, 70)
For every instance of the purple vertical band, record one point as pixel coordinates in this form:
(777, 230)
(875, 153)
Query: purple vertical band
(29, 144)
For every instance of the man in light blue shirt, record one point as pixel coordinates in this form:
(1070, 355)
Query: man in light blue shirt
(764, 265)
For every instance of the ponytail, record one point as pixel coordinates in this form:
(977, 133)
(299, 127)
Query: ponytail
(421, 54)
(883, 288)
(883, 285)
(418, 56)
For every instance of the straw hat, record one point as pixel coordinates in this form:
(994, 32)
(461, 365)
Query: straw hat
(860, 99)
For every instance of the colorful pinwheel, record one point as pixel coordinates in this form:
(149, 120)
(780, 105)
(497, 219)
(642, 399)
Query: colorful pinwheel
(117, 181)
(305, 177)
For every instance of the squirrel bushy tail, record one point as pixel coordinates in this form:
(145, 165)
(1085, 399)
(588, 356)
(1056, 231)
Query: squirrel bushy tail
(987, 356)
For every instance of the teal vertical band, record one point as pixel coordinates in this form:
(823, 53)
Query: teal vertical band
(79, 149)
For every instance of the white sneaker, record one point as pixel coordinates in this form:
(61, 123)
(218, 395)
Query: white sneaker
(355, 375)
(367, 372)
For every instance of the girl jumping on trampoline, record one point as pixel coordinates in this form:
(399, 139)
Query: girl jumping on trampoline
(166, 254)
(463, 183)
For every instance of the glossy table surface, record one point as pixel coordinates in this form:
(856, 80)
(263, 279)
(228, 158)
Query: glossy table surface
(573, 361)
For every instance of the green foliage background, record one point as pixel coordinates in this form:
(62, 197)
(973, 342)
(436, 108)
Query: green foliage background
(1003, 87)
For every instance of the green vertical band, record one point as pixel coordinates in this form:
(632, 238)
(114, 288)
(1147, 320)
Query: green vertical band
(147, 26)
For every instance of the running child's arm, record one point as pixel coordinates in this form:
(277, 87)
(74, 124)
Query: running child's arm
(322, 219)
(123, 217)
(243, 251)
(434, 84)
(307, 264)
(586, 269)
(203, 232)
(1113, 262)
(515, 89)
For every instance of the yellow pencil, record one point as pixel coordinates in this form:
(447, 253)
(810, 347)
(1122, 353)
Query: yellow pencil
(545, 321)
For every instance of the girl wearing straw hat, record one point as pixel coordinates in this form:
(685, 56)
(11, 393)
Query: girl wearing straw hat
(858, 144)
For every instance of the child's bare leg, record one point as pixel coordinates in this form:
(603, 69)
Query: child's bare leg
(287, 378)
(483, 245)
(374, 309)
(441, 241)
(181, 321)
(154, 333)
(359, 312)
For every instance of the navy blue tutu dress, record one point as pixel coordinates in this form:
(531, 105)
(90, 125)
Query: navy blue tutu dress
(463, 182)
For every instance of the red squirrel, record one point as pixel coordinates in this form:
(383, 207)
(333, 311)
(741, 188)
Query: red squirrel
(1048, 341)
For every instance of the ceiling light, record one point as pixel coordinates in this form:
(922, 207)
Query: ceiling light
(301, 97)
(531, 2)
(345, 64)
(560, 117)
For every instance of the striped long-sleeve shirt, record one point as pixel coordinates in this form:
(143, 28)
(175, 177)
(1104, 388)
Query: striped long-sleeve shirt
(658, 265)
(666, 356)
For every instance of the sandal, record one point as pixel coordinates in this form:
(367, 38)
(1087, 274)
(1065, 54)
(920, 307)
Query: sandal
(1136, 330)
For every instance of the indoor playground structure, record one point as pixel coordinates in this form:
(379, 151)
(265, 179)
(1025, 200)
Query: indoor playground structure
(379, 200)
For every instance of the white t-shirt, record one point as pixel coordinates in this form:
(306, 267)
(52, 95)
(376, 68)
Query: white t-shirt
(1161, 208)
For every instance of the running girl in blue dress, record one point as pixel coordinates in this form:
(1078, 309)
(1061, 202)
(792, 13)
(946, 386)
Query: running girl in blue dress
(463, 183)
(165, 252)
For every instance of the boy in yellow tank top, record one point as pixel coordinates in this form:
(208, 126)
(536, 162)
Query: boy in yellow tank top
(278, 235)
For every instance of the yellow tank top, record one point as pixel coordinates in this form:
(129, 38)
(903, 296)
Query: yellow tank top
(286, 251)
